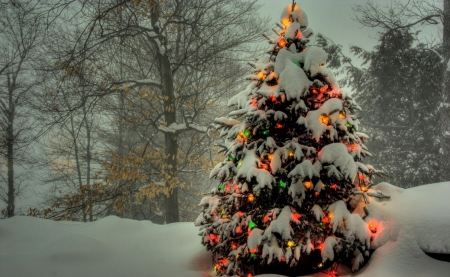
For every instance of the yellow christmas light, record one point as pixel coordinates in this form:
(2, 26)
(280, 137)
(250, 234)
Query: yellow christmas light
(290, 243)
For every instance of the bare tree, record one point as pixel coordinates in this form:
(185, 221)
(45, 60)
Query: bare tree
(20, 36)
(171, 41)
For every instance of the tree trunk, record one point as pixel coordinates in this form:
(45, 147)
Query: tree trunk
(10, 148)
(445, 110)
(172, 213)
(10, 157)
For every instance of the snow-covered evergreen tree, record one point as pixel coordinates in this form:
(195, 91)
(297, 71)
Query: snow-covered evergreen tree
(294, 163)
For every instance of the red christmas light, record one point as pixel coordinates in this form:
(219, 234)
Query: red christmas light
(361, 177)
(278, 126)
(316, 194)
(283, 259)
(266, 219)
(239, 230)
(314, 91)
(265, 166)
(273, 98)
(334, 186)
(214, 238)
(296, 215)
(236, 187)
(249, 275)
(224, 261)
(233, 245)
(323, 89)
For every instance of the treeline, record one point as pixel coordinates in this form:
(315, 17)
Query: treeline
(109, 103)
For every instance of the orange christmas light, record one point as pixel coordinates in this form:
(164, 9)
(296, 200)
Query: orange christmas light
(325, 119)
(239, 230)
(315, 91)
(282, 43)
(323, 89)
(270, 157)
(307, 184)
(341, 115)
(265, 166)
(334, 186)
(251, 198)
(266, 219)
(233, 245)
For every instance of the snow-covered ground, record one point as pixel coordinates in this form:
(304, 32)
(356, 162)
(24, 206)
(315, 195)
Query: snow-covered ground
(411, 222)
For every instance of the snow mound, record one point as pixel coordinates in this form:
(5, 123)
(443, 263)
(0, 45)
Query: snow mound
(413, 221)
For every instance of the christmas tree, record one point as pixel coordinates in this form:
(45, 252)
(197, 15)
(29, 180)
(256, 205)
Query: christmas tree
(293, 167)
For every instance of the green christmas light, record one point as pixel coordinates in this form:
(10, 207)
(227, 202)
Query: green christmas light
(282, 184)
(253, 255)
(348, 125)
(320, 224)
(252, 225)
(230, 158)
(297, 63)
(246, 133)
(265, 132)
(221, 186)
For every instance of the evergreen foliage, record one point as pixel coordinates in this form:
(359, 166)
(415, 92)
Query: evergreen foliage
(294, 172)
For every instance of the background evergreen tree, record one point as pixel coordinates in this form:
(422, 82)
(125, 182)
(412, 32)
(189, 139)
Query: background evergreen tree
(399, 93)
(293, 168)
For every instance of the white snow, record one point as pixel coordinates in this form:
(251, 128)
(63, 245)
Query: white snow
(337, 154)
(412, 221)
(314, 60)
(294, 81)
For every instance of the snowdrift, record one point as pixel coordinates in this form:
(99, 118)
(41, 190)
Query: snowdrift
(412, 222)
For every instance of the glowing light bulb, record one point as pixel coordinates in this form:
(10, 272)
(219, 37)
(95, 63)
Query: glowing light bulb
(240, 163)
(320, 265)
(323, 89)
(334, 186)
(290, 243)
(307, 184)
(341, 115)
(265, 132)
(316, 194)
(246, 133)
(324, 119)
(282, 43)
(291, 153)
(233, 245)
(239, 230)
(251, 225)
(221, 186)
(364, 188)
(282, 184)
(278, 126)
(266, 219)
(251, 198)
(270, 157)
(297, 215)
